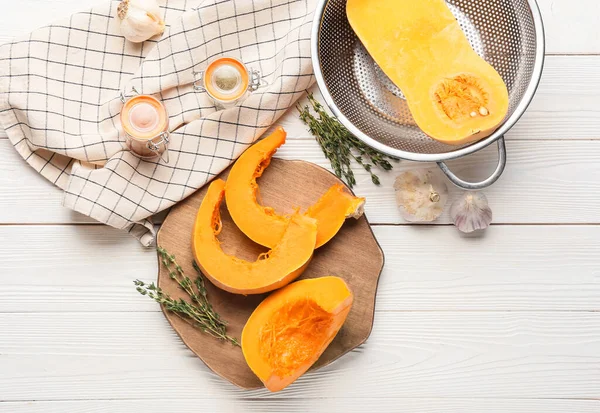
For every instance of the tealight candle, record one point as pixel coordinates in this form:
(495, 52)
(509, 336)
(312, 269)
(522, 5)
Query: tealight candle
(226, 80)
(144, 117)
(145, 122)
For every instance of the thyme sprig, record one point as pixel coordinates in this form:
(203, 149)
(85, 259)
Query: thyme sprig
(340, 146)
(199, 311)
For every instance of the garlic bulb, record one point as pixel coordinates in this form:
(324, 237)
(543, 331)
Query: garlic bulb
(421, 195)
(140, 20)
(471, 212)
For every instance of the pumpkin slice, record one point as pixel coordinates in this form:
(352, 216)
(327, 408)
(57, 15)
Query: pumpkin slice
(292, 327)
(332, 209)
(278, 267)
(260, 223)
(453, 94)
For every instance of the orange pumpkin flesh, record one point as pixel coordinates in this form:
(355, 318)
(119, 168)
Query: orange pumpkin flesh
(332, 209)
(454, 95)
(261, 224)
(284, 263)
(291, 328)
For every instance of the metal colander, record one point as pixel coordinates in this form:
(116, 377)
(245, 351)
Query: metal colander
(506, 33)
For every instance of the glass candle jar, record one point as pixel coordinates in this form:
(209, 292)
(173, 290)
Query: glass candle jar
(227, 81)
(146, 125)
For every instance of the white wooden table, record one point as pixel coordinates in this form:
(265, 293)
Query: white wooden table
(504, 322)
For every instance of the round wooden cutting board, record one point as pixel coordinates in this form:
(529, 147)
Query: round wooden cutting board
(353, 254)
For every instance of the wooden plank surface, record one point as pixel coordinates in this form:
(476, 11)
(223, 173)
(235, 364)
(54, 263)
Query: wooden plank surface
(28, 197)
(526, 268)
(410, 354)
(328, 405)
(544, 182)
(564, 106)
(571, 27)
(506, 322)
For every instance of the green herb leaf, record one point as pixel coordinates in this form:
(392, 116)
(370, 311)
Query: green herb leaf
(338, 144)
(199, 312)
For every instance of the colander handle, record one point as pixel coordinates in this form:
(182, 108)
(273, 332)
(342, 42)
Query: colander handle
(461, 183)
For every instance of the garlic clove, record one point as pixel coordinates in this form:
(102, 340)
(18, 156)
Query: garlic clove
(140, 20)
(421, 195)
(471, 212)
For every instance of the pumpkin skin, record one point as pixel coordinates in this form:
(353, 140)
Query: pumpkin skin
(262, 224)
(290, 329)
(284, 263)
(454, 95)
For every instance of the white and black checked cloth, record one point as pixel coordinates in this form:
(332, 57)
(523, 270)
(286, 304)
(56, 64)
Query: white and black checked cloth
(60, 105)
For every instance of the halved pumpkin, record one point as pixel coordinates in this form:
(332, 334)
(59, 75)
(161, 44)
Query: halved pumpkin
(291, 328)
(278, 267)
(262, 224)
(454, 95)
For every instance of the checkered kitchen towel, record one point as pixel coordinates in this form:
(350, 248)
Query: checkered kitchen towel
(60, 88)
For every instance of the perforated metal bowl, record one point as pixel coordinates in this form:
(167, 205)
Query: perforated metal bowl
(508, 34)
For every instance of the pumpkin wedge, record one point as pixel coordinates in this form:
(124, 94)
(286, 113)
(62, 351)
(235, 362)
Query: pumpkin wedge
(454, 95)
(262, 224)
(332, 209)
(291, 328)
(278, 267)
